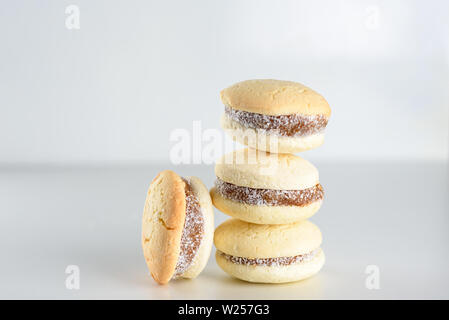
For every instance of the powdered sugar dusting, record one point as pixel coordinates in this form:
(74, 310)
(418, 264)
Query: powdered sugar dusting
(271, 262)
(290, 125)
(269, 197)
(192, 233)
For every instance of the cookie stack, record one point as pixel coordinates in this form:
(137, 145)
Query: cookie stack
(267, 190)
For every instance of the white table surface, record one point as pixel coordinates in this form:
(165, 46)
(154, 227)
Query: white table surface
(392, 215)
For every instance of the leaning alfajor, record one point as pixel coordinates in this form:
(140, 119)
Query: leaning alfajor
(177, 227)
(265, 188)
(269, 253)
(274, 115)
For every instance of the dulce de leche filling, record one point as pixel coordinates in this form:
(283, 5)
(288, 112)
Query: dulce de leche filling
(269, 197)
(290, 125)
(269, 262)
(192, 233)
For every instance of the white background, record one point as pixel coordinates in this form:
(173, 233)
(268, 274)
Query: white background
(113, 91)
(86, 116)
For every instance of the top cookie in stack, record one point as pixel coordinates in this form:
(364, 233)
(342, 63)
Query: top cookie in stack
(275, 116)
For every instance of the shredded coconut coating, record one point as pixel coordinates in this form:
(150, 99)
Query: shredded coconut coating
(291, 125)
(270, 262)
(269, 197)
(192, 233)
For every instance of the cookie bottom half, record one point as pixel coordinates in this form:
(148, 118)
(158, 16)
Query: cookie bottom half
(272, 274)
(258, 139)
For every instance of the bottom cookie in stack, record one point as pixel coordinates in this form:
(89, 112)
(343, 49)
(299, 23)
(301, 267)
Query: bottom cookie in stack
(269, 253)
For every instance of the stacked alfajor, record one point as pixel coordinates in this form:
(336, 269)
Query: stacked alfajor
(267, 190)
(275, 116)
(269, 253)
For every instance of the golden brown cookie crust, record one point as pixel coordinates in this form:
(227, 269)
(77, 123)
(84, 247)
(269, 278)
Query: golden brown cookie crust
(242, 239)
(274, 97)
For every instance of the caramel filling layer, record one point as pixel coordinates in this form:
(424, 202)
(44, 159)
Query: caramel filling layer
(269, 197)
(291, 125)
(192, 233)
(270, 262)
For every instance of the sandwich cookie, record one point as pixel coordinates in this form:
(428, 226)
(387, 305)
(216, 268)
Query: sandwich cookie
(269, 253)
(265, 188)
(177, 227)
(275, 116)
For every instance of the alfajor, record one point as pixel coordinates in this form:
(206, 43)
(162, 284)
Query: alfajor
(269, 253)
(177, 227)
(266, 188)
(274, 115)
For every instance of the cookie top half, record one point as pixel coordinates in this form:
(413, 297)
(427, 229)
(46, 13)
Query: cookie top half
(274, 97)
(242, 239)
(261, 170)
